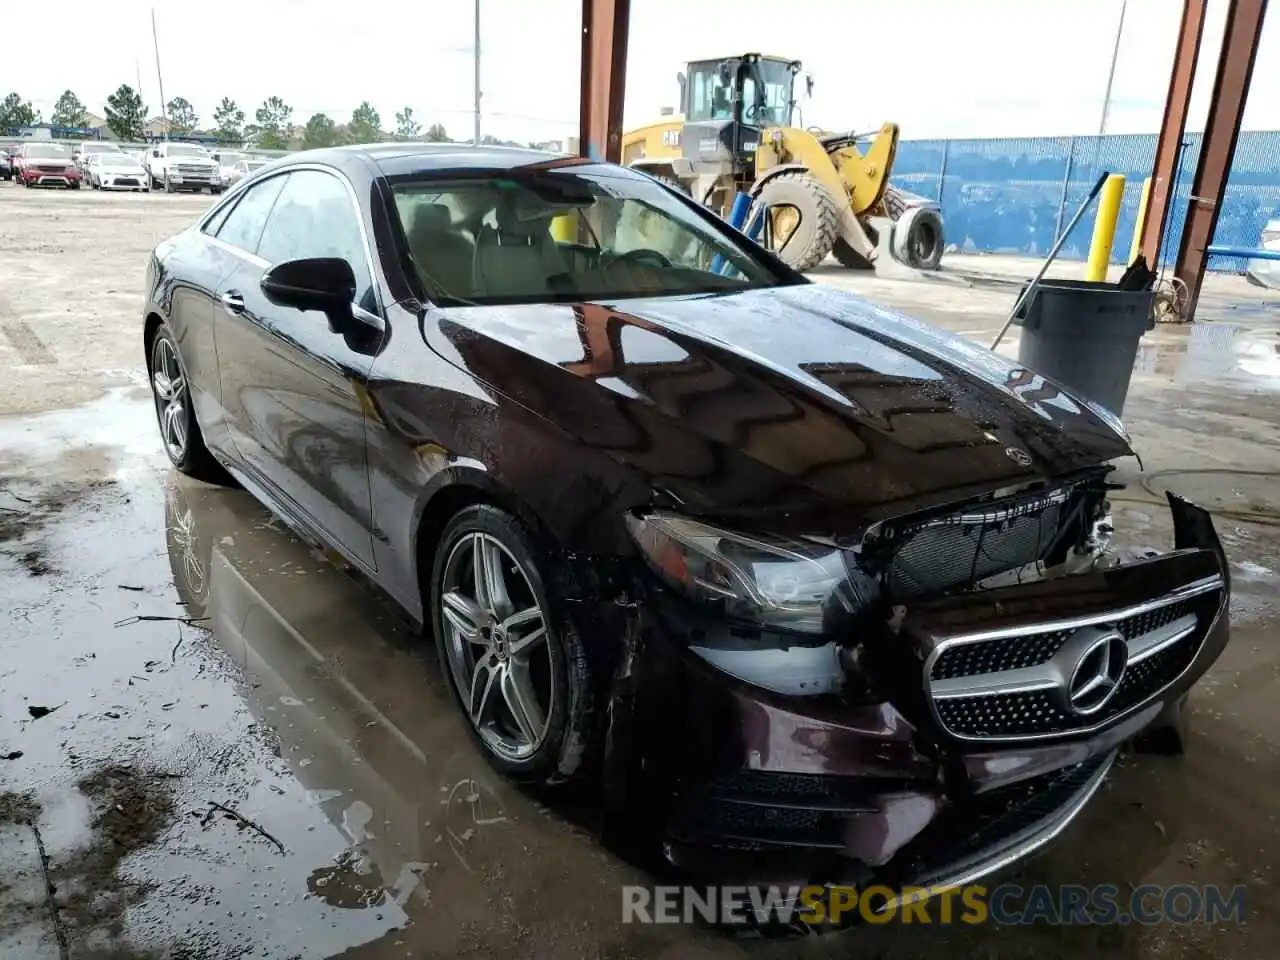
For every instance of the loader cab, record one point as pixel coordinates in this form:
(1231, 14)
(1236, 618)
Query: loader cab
(728, 102)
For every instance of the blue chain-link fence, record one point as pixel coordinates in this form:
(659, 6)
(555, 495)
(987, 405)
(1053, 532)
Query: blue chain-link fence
(1014, 195)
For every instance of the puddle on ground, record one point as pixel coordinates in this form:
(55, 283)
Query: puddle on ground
(1213, 351)
(244, 752)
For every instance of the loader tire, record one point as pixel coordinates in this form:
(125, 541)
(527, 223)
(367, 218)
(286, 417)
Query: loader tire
(813, 237)
(851, 258)
(917, 238)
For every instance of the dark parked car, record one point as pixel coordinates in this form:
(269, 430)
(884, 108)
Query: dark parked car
(803, 581)
(8, 155)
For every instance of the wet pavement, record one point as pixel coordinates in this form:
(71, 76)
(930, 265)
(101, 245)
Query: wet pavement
(215, 744)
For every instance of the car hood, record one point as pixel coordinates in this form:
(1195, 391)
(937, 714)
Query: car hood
(797, 401)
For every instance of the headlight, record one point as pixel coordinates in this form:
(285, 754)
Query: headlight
(782, 584)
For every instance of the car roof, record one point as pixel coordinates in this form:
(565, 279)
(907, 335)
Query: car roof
(407, 159)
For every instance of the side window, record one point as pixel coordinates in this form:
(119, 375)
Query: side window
(215, 224)
(243, 226)
(315, 217)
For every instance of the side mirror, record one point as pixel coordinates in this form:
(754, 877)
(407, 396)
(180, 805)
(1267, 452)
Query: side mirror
(683, 81)
(319, 283)
(808, 84)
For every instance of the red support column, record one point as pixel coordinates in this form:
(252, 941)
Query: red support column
(1222, 128)
(1169, 145)
(604, 73)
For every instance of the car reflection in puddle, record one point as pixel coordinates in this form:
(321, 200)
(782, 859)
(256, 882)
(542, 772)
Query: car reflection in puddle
(347, 695)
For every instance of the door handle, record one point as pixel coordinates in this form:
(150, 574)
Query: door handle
(232, 302)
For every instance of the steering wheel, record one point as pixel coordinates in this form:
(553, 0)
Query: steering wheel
(639, 254)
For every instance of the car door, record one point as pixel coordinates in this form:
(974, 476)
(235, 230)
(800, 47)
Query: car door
(299, 381)
(193, 266)
(234, 338)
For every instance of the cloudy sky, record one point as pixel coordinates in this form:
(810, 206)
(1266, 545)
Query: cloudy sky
(939, 68)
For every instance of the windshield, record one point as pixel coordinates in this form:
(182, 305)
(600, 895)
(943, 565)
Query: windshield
(227, 159)
(766, 93)
(117, 160)
(48, 151)
(536, 237)
(183, 150)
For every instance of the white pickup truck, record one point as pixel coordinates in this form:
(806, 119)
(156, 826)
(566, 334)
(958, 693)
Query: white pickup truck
(182, 166)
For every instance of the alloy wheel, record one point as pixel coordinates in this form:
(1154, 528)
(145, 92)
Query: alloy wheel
(186, 538)
(497, 646)
(170, 389)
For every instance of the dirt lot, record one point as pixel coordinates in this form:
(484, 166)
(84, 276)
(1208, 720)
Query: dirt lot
(213, 744)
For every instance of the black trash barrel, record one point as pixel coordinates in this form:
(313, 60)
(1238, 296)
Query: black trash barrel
(1085, 335)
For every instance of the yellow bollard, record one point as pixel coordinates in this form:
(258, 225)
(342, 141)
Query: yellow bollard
(1135, 248)
(1104, 229)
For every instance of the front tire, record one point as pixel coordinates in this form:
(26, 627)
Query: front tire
(168, 187)
(799, 199)
(175, 416)
(517, 671)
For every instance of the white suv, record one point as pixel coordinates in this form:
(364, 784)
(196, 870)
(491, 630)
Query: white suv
(183, 166)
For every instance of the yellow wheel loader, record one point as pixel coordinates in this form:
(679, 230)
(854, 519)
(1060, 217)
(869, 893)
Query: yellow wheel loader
(824, 195)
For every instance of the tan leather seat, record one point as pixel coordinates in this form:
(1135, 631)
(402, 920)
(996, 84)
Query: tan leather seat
(440, 253)
(519, 258)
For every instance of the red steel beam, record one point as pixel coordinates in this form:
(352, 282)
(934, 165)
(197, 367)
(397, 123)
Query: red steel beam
(1222, 129)
(604, 73)
(1169, 144)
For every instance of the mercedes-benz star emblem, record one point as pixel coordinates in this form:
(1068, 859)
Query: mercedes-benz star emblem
(1018, 456)
(1097, 672)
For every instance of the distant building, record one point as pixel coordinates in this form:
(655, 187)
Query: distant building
(47, 131)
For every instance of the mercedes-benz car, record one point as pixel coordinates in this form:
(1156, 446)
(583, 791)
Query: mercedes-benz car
(825, 592)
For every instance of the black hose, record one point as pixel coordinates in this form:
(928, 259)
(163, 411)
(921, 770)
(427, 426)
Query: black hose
(1260, 518)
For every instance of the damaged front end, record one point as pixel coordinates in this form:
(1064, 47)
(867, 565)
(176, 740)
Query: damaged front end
(923, 706)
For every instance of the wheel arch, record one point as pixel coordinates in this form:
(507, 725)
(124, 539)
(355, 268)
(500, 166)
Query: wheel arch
(454, 489)
(773, 173)
(150, 326)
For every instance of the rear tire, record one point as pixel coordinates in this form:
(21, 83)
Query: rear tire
(814, 236)
(175, 414)
(851, 258)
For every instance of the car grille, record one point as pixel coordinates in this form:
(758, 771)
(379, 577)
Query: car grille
(945, 553)
(1004, 685)
(44, 168)
(194, 171)
(124, 181)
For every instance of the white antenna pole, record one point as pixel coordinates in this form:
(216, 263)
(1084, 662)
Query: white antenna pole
(477, 76)
(1111, 75)
(155, 39)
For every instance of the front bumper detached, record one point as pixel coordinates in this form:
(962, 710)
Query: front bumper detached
(980, 762)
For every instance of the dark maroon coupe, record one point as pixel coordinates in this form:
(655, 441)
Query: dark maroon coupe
(823, 590)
